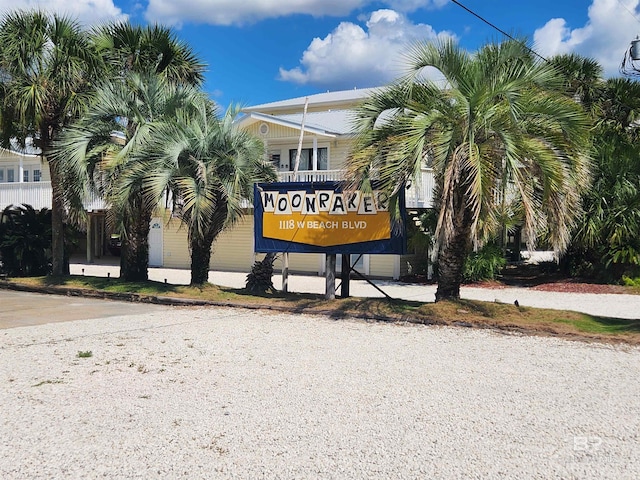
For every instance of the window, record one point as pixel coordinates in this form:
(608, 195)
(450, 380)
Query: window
(274, 158)
(306, 159)
(2, 175)
(25, 175)
(10, 175)
(36, 174)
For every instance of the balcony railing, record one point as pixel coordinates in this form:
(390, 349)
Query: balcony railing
(418, 195)
(36, 194)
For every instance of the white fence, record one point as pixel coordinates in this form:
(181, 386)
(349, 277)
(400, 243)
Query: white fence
(36, 194)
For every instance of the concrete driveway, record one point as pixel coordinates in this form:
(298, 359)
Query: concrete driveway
(20, 309)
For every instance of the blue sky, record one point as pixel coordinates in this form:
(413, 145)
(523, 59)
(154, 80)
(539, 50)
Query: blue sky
(259, 51)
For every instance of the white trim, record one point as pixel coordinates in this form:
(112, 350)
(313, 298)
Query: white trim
(286, 123)
(396, 267)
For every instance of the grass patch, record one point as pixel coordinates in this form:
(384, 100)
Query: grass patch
(85, 354)
(467, 313)
(47, 382)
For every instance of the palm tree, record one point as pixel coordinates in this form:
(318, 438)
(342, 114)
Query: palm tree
(127, 48)
(95, 157)
(210, 166)
(608, 234)
(151, 75)
(46, 69)
(501, 118)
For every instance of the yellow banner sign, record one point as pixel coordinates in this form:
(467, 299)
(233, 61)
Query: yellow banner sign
(325, 218)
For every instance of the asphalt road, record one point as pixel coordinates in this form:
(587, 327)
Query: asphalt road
(20, 309)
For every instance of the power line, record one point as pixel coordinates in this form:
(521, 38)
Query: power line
(481, 18)
(630, 12)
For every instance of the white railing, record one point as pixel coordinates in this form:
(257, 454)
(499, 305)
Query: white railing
(418, 195)
(311, 176)
(36, 194)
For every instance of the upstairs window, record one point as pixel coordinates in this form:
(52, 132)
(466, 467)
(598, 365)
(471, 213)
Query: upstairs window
(306, 159)
(36, 175)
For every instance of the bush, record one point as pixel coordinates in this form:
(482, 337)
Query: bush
(25, 241)
(631, 282)
(259, 280)
(485, 264)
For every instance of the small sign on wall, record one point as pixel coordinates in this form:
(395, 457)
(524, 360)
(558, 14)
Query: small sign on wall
(322, 218)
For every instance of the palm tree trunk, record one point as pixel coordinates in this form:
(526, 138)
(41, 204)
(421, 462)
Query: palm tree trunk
(452, 256)
(200, 258)
(59, 261)
(450, 266)
(134, 257)
(201, 246)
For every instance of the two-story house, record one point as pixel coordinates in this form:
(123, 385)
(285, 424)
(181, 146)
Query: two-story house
(326, 140)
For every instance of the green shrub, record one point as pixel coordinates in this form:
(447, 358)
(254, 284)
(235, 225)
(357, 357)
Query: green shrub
(25, 241)
(259, 279)
(631, 282)
(485, 264)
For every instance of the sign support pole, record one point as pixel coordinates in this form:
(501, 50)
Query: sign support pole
(285, 272)
(346, 275)
(330, 277)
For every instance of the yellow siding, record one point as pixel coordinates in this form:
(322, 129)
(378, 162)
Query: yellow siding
(307, 263)
(9, 159)
(382, 265)
(275, 131)
(338, 154)
(233, 250)
(175, 248)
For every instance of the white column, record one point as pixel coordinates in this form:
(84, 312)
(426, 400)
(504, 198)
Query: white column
(21, 171)
(315, 154)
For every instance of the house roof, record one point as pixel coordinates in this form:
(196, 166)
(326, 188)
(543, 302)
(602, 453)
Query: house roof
(15, 149)
(332, 123)
(319, 100)
(328, 114)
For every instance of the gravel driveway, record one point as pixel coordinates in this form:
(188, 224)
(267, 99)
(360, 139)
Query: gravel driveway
(223, 393)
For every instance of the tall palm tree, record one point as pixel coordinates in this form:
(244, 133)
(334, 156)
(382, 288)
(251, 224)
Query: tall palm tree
(150, 75)
(127, 48)
(46, 68)
(95, 157)
(501, 117)
(209, 165)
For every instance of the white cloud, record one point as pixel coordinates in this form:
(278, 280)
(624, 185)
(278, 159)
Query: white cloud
(351, 56)
(233, 12)
(87, 12)
(605, 37)
(412, 5)
(237, 12)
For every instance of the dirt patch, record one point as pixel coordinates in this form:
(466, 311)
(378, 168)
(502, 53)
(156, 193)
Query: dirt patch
(539, 277)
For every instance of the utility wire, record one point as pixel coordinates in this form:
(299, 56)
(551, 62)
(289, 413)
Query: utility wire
(481, 18)
(630, 12)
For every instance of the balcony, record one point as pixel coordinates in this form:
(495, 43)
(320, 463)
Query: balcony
(36, 194)
(418, 195)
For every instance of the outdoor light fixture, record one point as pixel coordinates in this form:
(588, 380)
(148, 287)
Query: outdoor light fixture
(632, 55)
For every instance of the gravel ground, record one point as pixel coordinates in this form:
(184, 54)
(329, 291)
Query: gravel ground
(223, 393)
